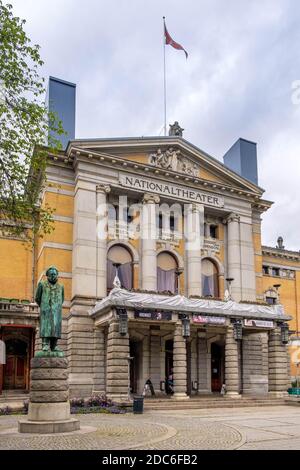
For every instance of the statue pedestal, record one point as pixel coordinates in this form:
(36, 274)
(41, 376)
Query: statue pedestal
(49, 406)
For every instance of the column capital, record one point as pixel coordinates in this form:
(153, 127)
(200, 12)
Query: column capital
(233, 217)
(103, 188)
(193, 207)
(151, 199)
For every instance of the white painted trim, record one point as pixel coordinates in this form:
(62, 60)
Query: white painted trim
(58, 246)
(174, 253)
(64, 192)
(62, 218)
(280, 266)
(131, 249)
(217, 262)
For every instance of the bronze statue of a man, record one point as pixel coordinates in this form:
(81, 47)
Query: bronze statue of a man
(50, 297)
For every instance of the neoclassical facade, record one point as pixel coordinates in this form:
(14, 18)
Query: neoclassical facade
(158, 246)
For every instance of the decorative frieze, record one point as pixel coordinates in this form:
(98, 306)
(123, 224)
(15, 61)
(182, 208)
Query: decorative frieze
(171, 159)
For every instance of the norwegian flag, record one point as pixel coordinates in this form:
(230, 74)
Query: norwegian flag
(173, 43)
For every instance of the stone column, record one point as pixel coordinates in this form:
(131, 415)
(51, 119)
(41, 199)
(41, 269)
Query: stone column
(278, 367)
(117, 372)
(149, 236)
(194, 363)
(234, 255)
(102, 226)
(179, 363)
(265, 354)
(231, 364)
(248, 276)
(207, 230)
(193, 232)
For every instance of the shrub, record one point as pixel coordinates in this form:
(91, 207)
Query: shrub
(99, 400)
(77, 402)
(97, 403)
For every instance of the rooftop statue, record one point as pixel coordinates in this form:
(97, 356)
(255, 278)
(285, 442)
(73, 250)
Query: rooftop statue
(175, 129)
(50, 297)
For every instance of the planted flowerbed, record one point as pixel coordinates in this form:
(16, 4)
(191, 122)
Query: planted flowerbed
(95, 404)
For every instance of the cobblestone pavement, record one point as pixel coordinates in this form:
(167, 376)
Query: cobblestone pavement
(240, 428)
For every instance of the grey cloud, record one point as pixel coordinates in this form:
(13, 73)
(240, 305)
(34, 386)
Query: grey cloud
(243, 58)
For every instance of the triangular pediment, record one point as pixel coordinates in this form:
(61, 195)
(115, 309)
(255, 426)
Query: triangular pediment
(169, 154)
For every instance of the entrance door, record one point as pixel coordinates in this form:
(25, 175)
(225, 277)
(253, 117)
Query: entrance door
(188, 369)
(135, 354)
(15, 369)
(217, 367)
(169, 366)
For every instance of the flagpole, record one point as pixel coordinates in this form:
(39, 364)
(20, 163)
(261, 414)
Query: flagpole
(165, 82)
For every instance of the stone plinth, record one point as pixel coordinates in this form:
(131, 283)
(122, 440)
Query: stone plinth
(49, 406)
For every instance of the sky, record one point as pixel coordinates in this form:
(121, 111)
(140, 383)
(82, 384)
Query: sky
(241, 79)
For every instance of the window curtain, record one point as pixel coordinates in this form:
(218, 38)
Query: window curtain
(166, 280)
(124, 274)
(210, 286)
(111, 273)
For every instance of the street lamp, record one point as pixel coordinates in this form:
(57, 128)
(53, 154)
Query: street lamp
(284, 327)
(186, 325)
(123, 321)
(237, 330)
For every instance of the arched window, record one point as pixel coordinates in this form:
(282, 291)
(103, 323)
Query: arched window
(119, 258)
(167, 273)
(210, 281)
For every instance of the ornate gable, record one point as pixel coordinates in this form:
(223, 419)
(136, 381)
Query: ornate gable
(170, 154)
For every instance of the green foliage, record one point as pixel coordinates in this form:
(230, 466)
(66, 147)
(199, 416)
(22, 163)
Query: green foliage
(24, 129)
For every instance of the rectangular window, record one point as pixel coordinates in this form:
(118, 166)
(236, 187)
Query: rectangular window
(271, 300)
(275, 272)
(172, 223)
(266, 269)
(213, 231)
(160, 221)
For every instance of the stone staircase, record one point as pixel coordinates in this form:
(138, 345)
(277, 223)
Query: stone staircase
(14, 399)
(195, 403)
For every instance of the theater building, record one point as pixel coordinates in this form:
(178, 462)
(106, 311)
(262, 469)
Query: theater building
(158, 246)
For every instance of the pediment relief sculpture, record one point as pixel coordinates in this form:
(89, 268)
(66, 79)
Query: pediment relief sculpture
(170, 159)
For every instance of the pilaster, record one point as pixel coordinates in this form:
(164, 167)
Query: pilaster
(278, 367)
(117, 372)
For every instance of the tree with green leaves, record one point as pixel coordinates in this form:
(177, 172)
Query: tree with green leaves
(25, 126)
